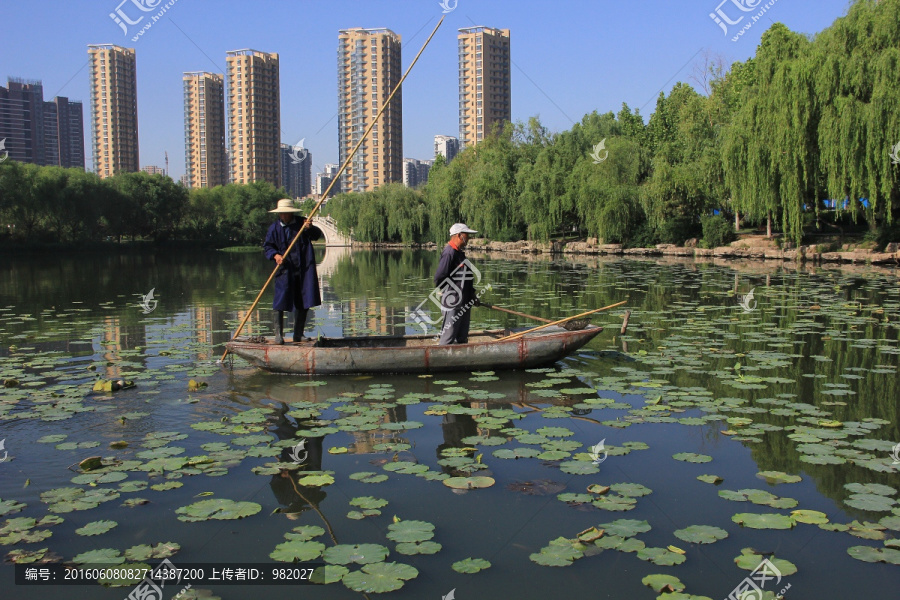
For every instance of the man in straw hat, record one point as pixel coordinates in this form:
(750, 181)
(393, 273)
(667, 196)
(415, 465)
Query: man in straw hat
(296, 283)
(455, 277)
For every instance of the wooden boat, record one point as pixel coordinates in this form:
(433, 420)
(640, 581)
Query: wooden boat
(413, 353)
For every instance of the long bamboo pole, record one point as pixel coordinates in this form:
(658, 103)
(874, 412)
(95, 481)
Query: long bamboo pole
(330, 185)
(516, 336)
(515, 312)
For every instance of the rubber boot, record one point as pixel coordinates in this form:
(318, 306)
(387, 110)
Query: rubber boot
(300, 315)
(279, 327)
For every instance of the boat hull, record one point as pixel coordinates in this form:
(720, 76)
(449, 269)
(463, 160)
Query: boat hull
(413, 354)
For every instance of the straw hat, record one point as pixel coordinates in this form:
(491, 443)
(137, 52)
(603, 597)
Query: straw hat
(285, 205)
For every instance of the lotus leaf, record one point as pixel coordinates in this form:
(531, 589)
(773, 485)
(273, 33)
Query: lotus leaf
(410, 548)
(468, 483)
(470, 565)
(701, 534)
(379, 577)
(219, 508)
(96, 528)
(345, 554)
(410, 531)
(625, 527)
(750, 560)
(812, 517)
(763, 521)
(692, 457)
(663, 583)
(297, 551)
(661, 556)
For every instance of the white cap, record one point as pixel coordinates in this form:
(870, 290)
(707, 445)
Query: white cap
(461, 228)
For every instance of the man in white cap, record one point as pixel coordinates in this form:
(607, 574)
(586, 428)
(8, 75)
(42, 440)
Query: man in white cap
(296, 283)
(455, 278)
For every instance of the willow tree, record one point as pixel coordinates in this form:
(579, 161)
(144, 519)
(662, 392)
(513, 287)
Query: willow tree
(686, 174)
(770, 149)
(858, 86)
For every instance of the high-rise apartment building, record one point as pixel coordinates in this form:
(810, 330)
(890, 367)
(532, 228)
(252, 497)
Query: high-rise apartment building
(484, 88)
(415, 172)
(368, 71)
(204, 129)
(446, 146)
(43, 133)
(114, 120)
(22, 120)
(153, 170)
(296, 171)
(254, 116)
(64, 133)
(323, 180)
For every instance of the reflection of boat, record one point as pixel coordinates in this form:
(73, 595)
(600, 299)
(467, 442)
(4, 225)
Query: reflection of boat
(414, 353)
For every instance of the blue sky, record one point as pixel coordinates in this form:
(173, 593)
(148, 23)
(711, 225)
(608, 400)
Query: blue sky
(570, 58)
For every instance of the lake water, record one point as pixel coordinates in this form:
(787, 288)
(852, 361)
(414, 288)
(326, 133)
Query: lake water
(800, 381)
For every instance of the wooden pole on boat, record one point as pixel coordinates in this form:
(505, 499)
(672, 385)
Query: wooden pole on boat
(514, 312)
(516, 336)
(337, 178)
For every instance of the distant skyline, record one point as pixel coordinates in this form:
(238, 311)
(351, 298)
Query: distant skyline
(568, 59)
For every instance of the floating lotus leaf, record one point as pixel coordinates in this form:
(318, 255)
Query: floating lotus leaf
(891, 522)
(304, 532)
(763, 521)
(24, 557)
(410, 548)
(590, 534)
(470, 565)
(368, 502)
(775, 477)
(555, 432)
(96, 528)
(812, 517)
(822, 459)
(316, 480)
(661, 556)
(692, 457)
(328, 574)
(701, 534)
(609, 542)
(168, 485)
(615, 503)
(468, 483)
(866, 530)
(369, 477)
(870, 502)
(410, 531)
(714, 479)
(625, 527)
(871, 488)
(559, 553)
(378, 578)
(218, 508)
(750, 559)
(633, 490)
(405, 467)
(9, 507)
(103, 556)
(733, 495)
(575, 498)
(663, 583)
(596, 488)
(869, 554)
(297, 551)
(631, 545)
(579, 467)
(345, 554)
(146, 552)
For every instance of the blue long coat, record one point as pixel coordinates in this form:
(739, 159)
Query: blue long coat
(296, 283)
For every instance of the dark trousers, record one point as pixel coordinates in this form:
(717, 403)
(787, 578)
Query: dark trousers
(456, 326)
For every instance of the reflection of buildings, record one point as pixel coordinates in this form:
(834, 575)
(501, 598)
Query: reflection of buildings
(379, 319)
(364, 442)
